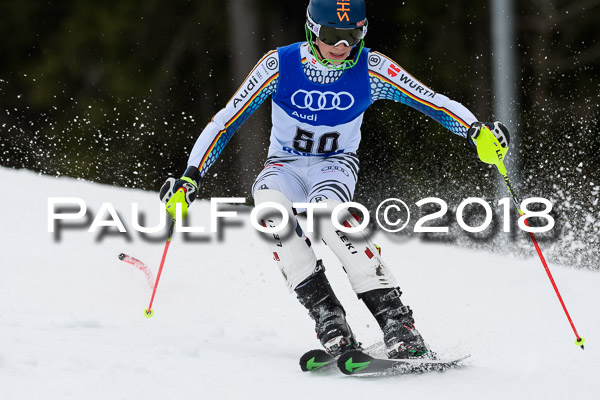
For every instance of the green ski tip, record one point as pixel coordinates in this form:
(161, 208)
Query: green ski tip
(311, 365)
(354, 367)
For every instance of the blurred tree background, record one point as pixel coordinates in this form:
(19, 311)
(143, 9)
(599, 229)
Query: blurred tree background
(116, 92)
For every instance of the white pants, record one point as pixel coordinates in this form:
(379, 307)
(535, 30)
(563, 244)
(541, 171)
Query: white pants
(332, 180)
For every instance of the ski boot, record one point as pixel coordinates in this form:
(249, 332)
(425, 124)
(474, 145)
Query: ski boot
(315, 293)
(400, 336)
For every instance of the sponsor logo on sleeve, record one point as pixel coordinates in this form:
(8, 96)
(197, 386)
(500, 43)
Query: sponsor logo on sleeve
(393, 70)
(246, 91)
(374, 60)
(272, 63)
(407, 80)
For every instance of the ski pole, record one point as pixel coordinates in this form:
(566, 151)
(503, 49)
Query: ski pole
(491, 156)
(171, 208)
(148, 312)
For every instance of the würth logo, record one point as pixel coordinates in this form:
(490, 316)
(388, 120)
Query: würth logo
(393, 70)
(342, 10)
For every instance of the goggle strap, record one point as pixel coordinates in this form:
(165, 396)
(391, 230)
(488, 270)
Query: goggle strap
(312, 25)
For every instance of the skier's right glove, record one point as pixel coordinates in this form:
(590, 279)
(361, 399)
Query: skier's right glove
(181, 191)
(491, 139)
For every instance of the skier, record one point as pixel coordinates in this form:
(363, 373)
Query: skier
(320, 89)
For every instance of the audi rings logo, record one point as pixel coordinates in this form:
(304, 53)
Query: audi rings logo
(322, 101)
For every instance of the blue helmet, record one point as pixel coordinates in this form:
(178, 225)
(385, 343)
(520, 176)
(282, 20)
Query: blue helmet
(341, 14)
(334, 22)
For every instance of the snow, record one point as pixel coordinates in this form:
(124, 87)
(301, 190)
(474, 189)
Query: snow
(225, 326)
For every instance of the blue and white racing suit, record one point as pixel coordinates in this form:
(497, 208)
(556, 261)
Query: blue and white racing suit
(317, 114)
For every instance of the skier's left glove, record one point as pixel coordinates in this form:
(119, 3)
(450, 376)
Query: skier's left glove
(171, 194)
(489, 149)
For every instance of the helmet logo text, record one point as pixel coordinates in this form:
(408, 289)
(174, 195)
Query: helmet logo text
(342, 11)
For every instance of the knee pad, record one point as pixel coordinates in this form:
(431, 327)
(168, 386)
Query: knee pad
(365, 268)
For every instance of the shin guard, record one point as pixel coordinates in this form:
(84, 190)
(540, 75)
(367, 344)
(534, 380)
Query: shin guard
(290, 247)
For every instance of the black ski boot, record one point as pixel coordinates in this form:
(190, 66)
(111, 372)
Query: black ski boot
(315, 293)
(400, 336)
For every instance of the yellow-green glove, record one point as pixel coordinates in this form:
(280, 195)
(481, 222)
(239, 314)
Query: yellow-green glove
(181, 191)
(491, 148)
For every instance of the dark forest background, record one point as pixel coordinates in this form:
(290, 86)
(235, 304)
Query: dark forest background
(116, 92)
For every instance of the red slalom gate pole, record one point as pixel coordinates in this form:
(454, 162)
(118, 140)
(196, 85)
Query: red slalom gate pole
(148, 312)
(139, 265)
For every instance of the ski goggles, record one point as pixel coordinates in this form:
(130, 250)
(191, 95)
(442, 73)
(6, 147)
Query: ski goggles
(333, 36)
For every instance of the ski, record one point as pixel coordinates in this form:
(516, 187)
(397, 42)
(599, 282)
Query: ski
(319, 359)
(356, 362)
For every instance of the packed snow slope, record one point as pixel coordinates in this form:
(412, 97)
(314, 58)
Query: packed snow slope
(225, 326)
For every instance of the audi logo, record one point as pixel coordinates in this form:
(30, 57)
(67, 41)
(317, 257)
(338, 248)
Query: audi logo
(322, 101)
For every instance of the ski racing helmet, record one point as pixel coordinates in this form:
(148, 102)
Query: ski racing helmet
(335, 22)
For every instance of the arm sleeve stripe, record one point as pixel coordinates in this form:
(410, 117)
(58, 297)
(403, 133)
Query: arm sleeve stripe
(233, 119)
(212, 145)
(422, 101)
